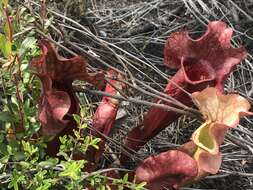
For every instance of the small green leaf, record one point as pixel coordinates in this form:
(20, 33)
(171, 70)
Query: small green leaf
(77, 135)
(63, 139)
(19, 155)
(29, 148)
(48, 22)
(5, 46)
(141, 185)
(77, 118)
(7, 117)
(84, 126)
(64, 155)
(7, 30)
(16, 179)
(29, 18)
(25, 165)
(28, 43)
(1, 165)
(94, 142)
(49, 163)
(125, 178)
(5, 159)
(22, 10)
(9, 150)
(45, 186)
(1, 138)
(72, 169)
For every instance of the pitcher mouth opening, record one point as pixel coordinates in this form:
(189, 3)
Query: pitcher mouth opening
(197, 71)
